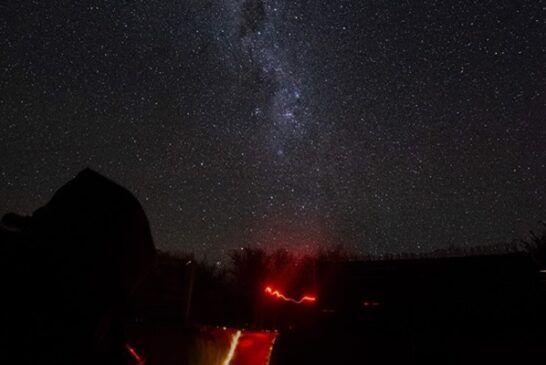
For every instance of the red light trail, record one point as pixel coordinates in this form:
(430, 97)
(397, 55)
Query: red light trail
(277, 294)
(134, 354)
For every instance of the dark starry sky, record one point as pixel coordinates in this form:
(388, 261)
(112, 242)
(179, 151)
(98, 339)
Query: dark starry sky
(389, 126)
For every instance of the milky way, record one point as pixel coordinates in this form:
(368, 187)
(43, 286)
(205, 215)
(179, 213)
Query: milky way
(388, 127)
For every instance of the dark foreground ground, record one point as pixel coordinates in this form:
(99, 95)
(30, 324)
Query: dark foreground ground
(375, 343)
(478, 310)
(83, 284)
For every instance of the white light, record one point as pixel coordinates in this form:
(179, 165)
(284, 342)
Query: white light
(232, 347)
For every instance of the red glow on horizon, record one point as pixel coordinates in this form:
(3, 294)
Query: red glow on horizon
(277, 294)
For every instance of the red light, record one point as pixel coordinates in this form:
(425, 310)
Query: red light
(277, 294)
(139, 360)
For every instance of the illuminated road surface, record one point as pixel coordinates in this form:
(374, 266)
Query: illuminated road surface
(253, 348)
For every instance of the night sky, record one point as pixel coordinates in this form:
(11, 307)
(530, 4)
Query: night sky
(388, 126)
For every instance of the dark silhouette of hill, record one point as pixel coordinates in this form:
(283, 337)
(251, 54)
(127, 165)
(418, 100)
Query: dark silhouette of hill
(68, 271)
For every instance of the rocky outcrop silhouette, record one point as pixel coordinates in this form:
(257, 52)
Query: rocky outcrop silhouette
(68, 272)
